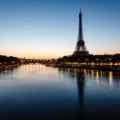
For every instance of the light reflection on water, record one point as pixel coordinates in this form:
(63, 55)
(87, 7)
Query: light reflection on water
(110, 78)
(98, 93)
(37, 92)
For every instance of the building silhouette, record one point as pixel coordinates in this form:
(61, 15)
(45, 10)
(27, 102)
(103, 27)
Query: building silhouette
(80, 46)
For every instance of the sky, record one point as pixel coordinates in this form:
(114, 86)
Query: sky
(49, 28)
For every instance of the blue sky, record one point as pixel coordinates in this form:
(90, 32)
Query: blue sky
(49, 28)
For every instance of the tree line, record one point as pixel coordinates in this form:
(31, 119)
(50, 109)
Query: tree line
(91, 58)
(9, 59)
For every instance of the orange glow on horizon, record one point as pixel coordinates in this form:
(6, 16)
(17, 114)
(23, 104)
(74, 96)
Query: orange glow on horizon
(46, 55)
(35, 56)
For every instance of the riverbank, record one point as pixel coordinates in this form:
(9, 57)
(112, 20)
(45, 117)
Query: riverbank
(94, 67)
(97, 67)
(8, 67)
(99, 62)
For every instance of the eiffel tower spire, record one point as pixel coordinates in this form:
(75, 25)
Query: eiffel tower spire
(80, 34)
(80, 46)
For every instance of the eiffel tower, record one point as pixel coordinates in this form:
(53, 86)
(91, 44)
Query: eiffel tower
(80, 46)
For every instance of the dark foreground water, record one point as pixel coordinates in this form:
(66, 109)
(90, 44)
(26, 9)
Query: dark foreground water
(36, 92)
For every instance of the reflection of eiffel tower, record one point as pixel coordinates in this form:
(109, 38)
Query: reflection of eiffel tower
(80, 47)
(79, 75)
(80, 83)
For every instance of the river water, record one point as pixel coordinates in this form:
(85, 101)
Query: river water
(37, 92)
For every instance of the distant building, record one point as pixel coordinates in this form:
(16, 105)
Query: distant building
(80, 46)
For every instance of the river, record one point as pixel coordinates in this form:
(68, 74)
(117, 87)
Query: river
(37, 92)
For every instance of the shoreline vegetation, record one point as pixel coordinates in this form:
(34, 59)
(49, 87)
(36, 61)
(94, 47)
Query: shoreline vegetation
(8, 63)
(96, 62)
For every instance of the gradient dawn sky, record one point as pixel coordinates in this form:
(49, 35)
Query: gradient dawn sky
(49, 28)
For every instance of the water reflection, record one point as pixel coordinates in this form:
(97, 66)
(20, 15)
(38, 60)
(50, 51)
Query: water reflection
(108, 79)
(81, 83)
(80, 79)
(38, 92)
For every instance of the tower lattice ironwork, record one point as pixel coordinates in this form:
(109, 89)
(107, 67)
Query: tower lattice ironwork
(80, 46)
